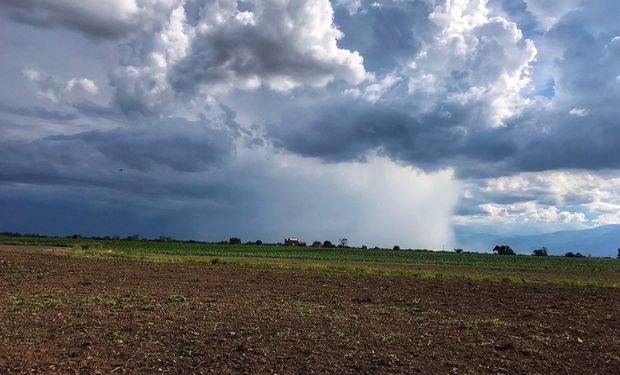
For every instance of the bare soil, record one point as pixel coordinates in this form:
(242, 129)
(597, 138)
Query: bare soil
(64, 315)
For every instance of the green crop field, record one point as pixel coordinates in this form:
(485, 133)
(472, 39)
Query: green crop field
(419, 257)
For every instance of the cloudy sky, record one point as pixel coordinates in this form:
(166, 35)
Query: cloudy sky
(386, 122)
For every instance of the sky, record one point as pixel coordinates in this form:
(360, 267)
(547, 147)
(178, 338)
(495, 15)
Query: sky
(384, 122)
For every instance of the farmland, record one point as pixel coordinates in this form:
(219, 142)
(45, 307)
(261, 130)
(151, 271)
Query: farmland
(335, 254)
(421, 263)
(63, 310)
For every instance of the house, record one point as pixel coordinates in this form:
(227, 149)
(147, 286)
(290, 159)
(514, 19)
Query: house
(294, 241)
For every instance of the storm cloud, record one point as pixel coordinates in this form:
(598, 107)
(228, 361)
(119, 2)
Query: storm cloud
(238, 113)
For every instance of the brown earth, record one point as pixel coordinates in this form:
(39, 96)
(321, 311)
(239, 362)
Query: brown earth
(63, 314)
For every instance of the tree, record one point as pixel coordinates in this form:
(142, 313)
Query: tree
(618, 254)
(344, 242)
(396, 247)
(316, 244)
(328, 243)
(234, 241)
(458, 251)
(364, 247)
(258, 242)
(542, 252)
(569, 254)
(503, 250)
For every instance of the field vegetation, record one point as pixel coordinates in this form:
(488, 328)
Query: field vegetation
(570, 271)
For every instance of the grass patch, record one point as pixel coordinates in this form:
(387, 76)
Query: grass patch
(17, 303)
(14, 304)
(134, 295)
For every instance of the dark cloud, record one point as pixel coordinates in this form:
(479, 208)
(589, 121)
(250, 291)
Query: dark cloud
(350, 129)
(39, 112)
(84, 212)
(584, 143)
(179, 145)
(124, 159)
(97, 21)
(90, 109)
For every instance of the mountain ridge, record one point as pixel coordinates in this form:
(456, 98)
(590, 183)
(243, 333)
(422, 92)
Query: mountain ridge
(602, 241)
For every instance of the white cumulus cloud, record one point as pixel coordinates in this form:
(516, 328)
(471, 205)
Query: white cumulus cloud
(579, 112)
(84, 83)
(474, 59)
(279, 44)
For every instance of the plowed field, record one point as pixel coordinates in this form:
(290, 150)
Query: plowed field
(65, 314)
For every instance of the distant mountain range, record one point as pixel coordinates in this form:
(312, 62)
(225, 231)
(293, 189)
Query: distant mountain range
(602, 241)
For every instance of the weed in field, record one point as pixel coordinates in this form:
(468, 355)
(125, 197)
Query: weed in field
(541, 338)
(216, 261)
(204, 305)
(330, 297)
(14, 304)
(476, 324)
(392, 309)
(150, 306)
(175, 298)
(383, 337)
(50, 301)
(134, 295)
(338, 318)
(307, 309)
(406, 310)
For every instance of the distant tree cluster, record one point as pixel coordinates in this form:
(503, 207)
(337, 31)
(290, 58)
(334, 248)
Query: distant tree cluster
(503, 250)
(570, 254)
(542, 252)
